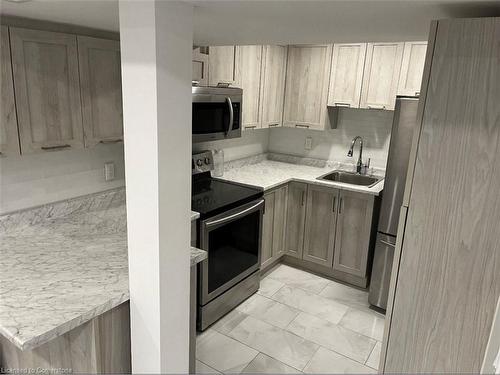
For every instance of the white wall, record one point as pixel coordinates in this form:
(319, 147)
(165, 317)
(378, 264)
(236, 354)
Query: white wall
(32, 180)
(373, 125)
(252, 142)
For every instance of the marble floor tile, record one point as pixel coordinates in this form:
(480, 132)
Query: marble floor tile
(332, 336)
(282, 345)
(374, 358)
(202, 368)
(368, 323)
(269, 286)
(263, 364)
(347, 295)
(327, 362)
(268, 310)
(223, 353)
(298, 278)
(226, 324)
(311, 303)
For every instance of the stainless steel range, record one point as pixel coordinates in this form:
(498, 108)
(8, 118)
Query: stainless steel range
(230, 230)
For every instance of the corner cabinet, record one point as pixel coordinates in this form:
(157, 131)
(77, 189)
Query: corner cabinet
(273, 85)
(9, 137)
(306, 88)
(222, 65)
(295, 219)
(47, 90)
(273, 229)
(101, 90)
(412, 68)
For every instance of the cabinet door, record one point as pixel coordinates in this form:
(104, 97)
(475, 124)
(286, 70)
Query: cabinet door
(266, 255)
(248, 73)
(101, 86)
(320, 225)
(279, 221)
(412, 68)
(47, 90)
(381, 75)
(346, 75)
(9, 137)
(273, 85)
(306, 88)
(221, 66)
(200, 67)
(295, 218)
(353, 232)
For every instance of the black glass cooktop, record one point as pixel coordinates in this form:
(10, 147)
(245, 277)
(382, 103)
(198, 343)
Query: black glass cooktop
(211, 196)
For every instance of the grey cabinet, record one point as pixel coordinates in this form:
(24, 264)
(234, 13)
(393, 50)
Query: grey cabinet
(353, 232)
(295, 219)
(47, 90)
(101, 90)
(222, 65)
(9, 138)
(248, 73)
(273, 230)
(273, 85)
(200, 67)
(266, 254)
(321, 220)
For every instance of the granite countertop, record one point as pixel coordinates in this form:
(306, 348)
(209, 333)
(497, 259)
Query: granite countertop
(194, 215)
(269, 174)
(63, 265)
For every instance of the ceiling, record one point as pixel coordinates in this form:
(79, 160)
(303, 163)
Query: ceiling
(276, 21)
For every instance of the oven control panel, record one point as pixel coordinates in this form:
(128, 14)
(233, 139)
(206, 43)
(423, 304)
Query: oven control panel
(202, 162)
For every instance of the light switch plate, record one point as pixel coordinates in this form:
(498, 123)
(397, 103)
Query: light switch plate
(308, 143)
(109, 171)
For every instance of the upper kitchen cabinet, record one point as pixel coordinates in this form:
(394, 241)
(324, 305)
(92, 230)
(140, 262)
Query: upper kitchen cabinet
(412, 68)
(306, 88)
(9, 138)
(273, 85)
(346, 75)
(101, 90)
(47, 90)
(381, 75)
(248, 76)
(222, 65)
(200, 67)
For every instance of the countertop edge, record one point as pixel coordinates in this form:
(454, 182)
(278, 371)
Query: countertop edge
(197, 256)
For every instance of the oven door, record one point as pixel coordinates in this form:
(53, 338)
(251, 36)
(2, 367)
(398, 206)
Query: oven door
(216, 117)
(233, 242)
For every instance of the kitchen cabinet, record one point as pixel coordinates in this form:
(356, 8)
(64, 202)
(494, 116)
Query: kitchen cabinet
(273, 229)
(248, 73)
(381, 75)
(47, 90)
(346, 75)
(306, 88)
(412, 68)
(222, 65)
(295, 219)
(9, 138)
(353, 232)
(321, 220)
(200, 67)
(101, 90)
(273, 85)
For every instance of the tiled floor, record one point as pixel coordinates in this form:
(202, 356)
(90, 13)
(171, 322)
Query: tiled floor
(297, 323)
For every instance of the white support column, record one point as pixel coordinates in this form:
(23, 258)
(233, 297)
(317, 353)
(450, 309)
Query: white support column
(156, 46)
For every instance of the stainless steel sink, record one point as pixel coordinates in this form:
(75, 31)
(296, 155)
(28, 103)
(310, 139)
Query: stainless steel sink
(350, 178)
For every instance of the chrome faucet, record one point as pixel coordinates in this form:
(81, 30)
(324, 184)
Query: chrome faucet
(360, 167)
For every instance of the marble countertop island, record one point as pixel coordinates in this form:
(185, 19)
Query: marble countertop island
(62, 265)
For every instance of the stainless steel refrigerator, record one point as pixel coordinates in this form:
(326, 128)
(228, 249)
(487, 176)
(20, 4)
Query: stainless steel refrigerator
(403, 126)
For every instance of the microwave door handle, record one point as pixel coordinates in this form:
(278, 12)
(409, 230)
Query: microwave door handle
(231, 115)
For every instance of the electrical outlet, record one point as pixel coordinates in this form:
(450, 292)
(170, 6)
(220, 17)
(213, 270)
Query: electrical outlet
(308, 143)
(109, 171)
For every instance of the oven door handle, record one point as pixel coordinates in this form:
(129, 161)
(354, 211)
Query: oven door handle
(234, 216)
(231, 116)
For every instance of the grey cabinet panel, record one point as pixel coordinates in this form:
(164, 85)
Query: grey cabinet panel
(273, 85)
(200, 67)
(352, 242)
(101, 88)
(266, 256)
(47, 90)
(222, 65)
(295, 219)
(248, 73)
(273, 230)
(9, 137)
(280, 202)
(321, 218)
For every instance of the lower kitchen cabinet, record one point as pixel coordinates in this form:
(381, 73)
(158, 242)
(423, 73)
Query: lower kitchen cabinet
(295, 219)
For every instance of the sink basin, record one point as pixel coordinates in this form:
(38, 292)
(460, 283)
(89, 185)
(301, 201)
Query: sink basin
(350, 178)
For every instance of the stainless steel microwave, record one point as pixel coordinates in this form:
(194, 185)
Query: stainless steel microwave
(216, 113)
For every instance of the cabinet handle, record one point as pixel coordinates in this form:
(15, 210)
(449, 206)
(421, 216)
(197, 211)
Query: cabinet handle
(250, 127)
(110, 141)
(334, 201)
(303, 197)
(58, 147)
(338, 104)
(302, 126)
(376, 107)
(417, 93)
(273, 125)
(340, 205)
